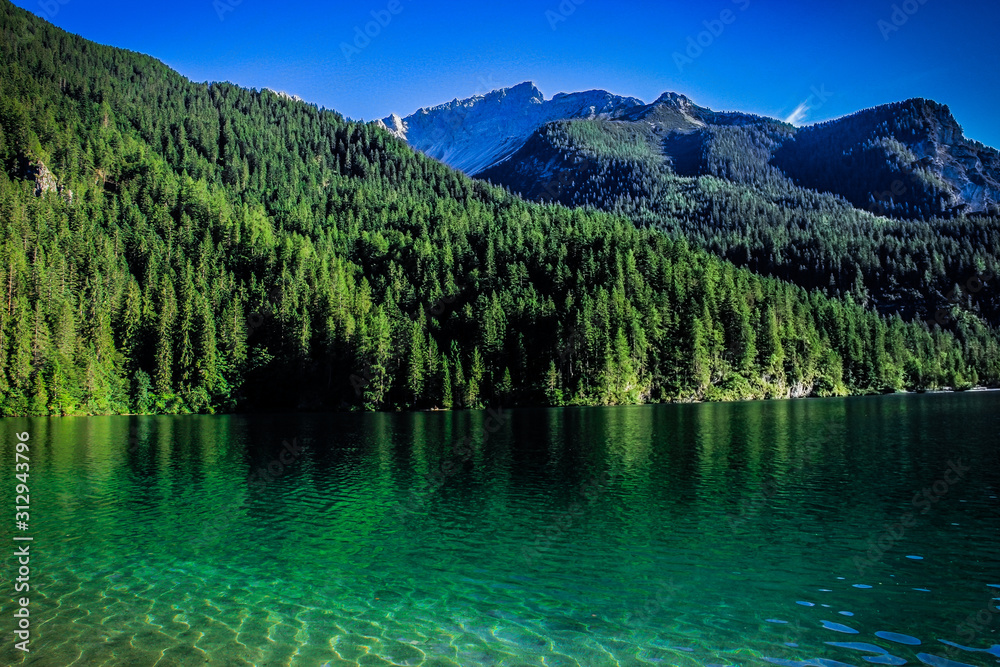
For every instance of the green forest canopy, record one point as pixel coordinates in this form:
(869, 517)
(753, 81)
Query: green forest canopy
(719, 189)
(170, 246)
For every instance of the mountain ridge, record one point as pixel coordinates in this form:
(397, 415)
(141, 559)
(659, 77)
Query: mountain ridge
(947, 173)
(477, 132)
(873, 222)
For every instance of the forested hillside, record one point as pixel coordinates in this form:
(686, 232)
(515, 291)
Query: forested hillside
(717, 187)
(909, 160)
(168, 246)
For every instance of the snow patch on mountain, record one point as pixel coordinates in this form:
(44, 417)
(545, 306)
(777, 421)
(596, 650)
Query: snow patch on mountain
(476, 133)
(284, 95)
(395, 125)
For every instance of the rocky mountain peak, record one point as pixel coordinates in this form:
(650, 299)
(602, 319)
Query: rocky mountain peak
(523, 92)
(477, 132)
(673, 99)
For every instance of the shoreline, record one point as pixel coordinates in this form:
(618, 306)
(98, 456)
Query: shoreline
(973, 390)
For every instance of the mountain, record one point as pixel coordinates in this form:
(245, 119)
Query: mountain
(673, 111)
(827, 208)
(909, 159)
(473, 134)
(173, 247)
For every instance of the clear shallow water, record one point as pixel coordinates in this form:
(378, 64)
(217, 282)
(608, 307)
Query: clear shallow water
(657, 535)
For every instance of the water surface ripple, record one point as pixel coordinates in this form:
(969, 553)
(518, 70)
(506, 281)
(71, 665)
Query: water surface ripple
(658, 535)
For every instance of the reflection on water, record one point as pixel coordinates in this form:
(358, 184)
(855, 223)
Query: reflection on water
(827, 532)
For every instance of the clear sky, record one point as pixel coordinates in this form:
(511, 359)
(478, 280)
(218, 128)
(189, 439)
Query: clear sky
(803, 60)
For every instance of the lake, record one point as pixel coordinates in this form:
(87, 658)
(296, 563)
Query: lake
(813, 532)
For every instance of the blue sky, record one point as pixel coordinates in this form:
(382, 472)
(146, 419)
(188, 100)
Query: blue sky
(802, 60)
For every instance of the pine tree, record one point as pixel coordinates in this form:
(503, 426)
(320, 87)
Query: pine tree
(446, 401)
(553, 388)
(473, 385)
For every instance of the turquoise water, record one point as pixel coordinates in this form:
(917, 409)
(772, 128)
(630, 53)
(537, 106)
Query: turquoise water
(659, 535)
